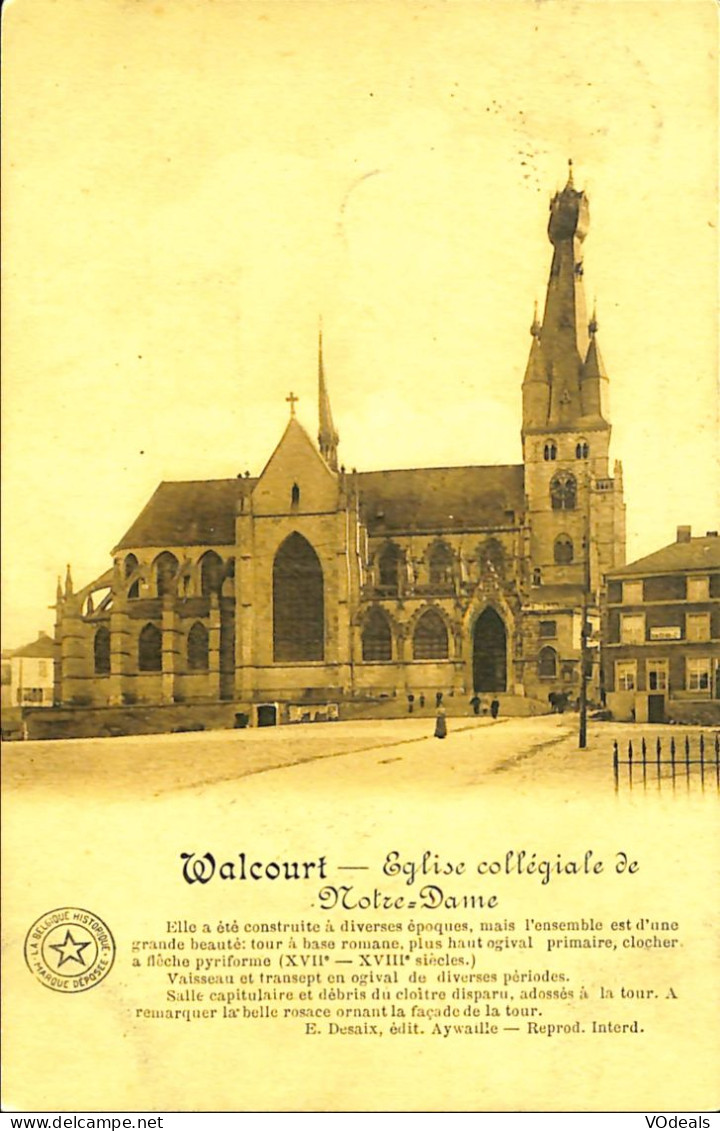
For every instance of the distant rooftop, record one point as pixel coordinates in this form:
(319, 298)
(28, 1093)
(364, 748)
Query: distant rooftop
(684, 554)
(42, 648)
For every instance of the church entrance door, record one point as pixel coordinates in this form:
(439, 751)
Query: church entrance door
(489, 653)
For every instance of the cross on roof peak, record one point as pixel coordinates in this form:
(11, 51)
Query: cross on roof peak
(292, 399)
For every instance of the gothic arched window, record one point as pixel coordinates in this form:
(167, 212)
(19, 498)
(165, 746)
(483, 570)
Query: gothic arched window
(298, 603)
(134, 590)
(582, 450)
(440, 564)
(547, 663)
(197, 648)
(131, 564)
(101, 651)
(376, 637)
(294, 496)
(537, 576)
(150, 649)
(389, 566)
(550, 450)
(491, 553)
(430, 639)
(563, 550)
(563, 491)
(165, 567)
(211, 573)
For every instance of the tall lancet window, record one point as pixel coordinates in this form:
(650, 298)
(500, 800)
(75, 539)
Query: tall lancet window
(298, 603)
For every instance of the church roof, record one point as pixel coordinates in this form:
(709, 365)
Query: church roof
(202, 512)
(441, 498)
(695, 554)
(196, 512)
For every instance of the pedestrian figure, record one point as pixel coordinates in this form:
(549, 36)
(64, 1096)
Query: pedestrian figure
(411, 703)
(438, 699)
(440, 723)
(422, 700)
(475, 704)
(495, 708)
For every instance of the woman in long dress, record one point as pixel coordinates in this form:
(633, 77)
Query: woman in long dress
(440, 723)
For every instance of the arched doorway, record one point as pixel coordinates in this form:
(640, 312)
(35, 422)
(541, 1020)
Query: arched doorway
(489, 653)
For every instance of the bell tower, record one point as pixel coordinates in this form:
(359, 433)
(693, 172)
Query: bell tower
(575, 508)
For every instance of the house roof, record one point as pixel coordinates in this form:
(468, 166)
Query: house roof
(42, 648)
(202, 512)
(699, 554)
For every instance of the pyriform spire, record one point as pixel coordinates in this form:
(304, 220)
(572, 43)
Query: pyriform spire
(560, 387)
(328, 437)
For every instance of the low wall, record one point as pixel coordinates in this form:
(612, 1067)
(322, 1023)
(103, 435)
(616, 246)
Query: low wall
(106, 722)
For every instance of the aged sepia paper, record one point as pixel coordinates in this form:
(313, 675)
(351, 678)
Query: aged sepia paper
(354, 916)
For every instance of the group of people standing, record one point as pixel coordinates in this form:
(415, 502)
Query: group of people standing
(440, 717)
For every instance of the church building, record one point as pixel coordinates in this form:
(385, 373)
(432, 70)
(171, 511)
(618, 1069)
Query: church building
(312, 590)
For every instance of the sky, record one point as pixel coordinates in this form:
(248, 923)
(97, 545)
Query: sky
(189, 186)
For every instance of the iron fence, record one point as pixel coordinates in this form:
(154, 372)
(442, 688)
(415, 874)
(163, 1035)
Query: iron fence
(688, 758)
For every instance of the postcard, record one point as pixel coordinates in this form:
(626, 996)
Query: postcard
(361, 573)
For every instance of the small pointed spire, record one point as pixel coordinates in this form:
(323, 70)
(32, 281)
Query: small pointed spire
(536, 327)
(328, 437)
(68, 582)
(593, 323)
(570, 182)
(59, 590)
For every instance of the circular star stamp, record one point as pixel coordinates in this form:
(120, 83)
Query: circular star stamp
(69, 950)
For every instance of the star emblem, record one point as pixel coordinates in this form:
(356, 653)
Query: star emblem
(69, 950)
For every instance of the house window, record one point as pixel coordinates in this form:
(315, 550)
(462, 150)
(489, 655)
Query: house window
(697, 674)
(547, 663)
(698, 588)
(632, 592)
(625, 675)
(376, 638)
(548, 628)
(563, 491)
(563, 550)
(657, 675)
(697, 626)
(582, 450)
(550, 450)
(632, 629)
(537, 576)
(430, 639)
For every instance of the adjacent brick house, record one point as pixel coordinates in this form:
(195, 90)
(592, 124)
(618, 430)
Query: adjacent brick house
(662, 633)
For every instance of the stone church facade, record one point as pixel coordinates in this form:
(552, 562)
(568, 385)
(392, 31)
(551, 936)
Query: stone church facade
(312, 585)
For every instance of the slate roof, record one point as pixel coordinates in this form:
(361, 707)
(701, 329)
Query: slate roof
(697, 554)
(441, 498)
(42, 648)
(195, 512)
(201, 512)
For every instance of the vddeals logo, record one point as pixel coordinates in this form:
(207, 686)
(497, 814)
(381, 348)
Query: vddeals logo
(69, 950)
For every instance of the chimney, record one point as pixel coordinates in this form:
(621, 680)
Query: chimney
(684, 533)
